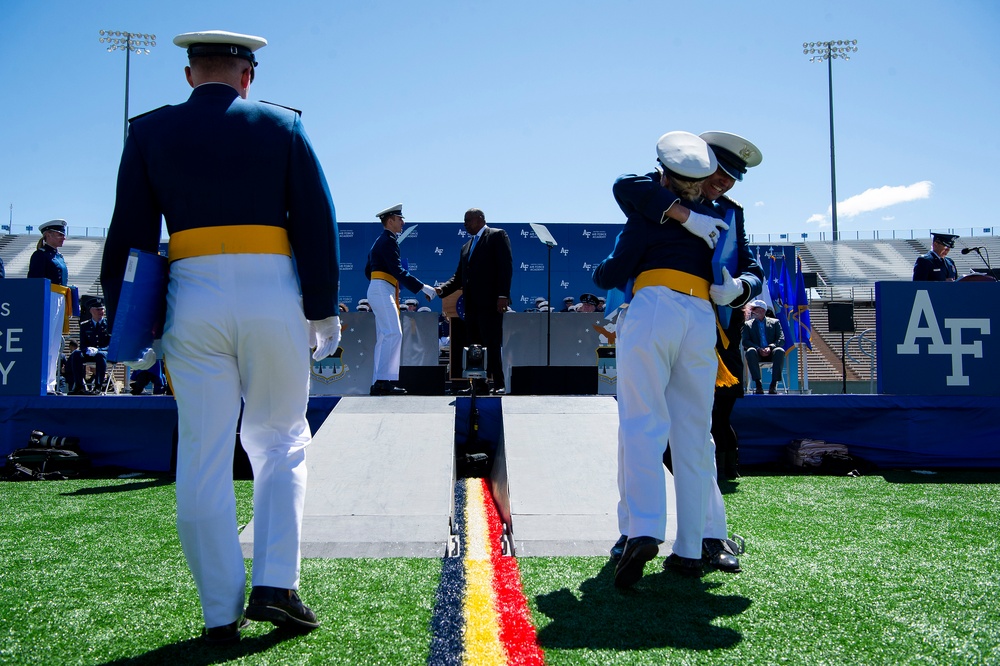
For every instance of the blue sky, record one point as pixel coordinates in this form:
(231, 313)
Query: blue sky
(529, 110)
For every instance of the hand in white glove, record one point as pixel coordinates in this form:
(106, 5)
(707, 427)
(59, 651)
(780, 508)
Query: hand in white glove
(91, 351)
(145, 363)
(705, 227)
(727, 292)
(429, 292)
(324, 336)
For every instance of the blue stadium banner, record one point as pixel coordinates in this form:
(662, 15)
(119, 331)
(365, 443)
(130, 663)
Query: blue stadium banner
(938, 338)
(431, 252)
(24, 317)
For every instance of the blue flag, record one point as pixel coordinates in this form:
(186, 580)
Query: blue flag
(799, 319)
(780, 289)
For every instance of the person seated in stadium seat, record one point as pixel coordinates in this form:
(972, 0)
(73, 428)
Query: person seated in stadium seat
(588, 303)
(763, 340)
(95, 336)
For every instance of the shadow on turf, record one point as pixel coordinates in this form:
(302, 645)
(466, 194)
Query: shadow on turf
(137, 485)
(664, 609)
(195, 652)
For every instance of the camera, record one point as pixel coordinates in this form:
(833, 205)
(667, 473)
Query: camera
(474, 362)
(39, 438)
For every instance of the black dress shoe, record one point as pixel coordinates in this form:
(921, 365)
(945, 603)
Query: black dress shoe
(638, 551)
(759, 390)
(499, 391)
(683, 565)
(719, 554)
(227, 634)
(773, 389)
(618, 548)
(280, 607)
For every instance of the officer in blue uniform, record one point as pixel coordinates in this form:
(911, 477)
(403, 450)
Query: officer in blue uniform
(47, 262)
(95, 336)
(667, 364)
(935, 266)
(253, 281)
(385, 271)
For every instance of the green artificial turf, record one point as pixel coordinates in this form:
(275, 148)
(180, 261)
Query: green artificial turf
(883, 569)
(894, 569)
(93, 573)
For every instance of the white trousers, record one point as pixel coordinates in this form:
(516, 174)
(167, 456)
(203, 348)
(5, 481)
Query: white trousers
(388, 330)
(666, 385)
(236, 330)
(57, 315)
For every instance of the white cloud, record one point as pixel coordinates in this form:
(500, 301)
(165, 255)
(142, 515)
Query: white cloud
(888, 218)
(759, 203)
(821, 220)
(883, 197)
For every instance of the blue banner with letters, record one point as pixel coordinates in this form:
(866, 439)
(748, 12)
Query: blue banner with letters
(938, 338)
(24, 332)
(431, 250)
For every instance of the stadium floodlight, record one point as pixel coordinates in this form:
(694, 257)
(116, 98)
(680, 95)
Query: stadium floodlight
(138, 43)
(828, 51)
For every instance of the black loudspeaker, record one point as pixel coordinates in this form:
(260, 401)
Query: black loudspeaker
(811, 280)
(423, 379)
(841, 317)
(553, 380)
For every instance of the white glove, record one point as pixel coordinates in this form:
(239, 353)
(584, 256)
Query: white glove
(705, 227)
(147, 361)
(727, 292)
(91, 351)
(429, 292)
(324, 336)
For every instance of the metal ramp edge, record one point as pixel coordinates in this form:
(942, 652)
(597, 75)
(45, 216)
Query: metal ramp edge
(380, 483)
(555, 478)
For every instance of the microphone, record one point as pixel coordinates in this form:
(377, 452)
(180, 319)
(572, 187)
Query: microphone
(967, 250)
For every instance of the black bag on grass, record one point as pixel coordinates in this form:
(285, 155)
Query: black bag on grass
(46, 458)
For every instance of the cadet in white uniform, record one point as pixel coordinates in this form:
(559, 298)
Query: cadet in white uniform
(667, 364)
(242, 193)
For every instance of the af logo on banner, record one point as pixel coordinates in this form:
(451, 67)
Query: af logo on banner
(938, 338)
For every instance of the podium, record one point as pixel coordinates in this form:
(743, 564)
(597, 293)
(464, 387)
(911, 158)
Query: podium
(25, 309)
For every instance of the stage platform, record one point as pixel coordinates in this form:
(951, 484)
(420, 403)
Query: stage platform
(382, 470)
(891, 431)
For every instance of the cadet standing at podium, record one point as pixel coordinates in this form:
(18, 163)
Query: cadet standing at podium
(935, 266)
(242, 193)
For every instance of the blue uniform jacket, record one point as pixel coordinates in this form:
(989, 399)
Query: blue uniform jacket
(644, 197)
(219, 160)
(384, 257)
(95, 334)
(932, 268)
(46, 262)
(645, 244)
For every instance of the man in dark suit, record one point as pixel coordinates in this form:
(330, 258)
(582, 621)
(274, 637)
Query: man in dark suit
(935, 266)
(484, 271)
(254, 272)
(763, 340)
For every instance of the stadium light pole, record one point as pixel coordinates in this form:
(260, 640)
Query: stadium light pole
(131, 42)
(818, 52)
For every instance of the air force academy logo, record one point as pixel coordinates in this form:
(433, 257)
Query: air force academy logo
(930, 336)
(938, 338)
